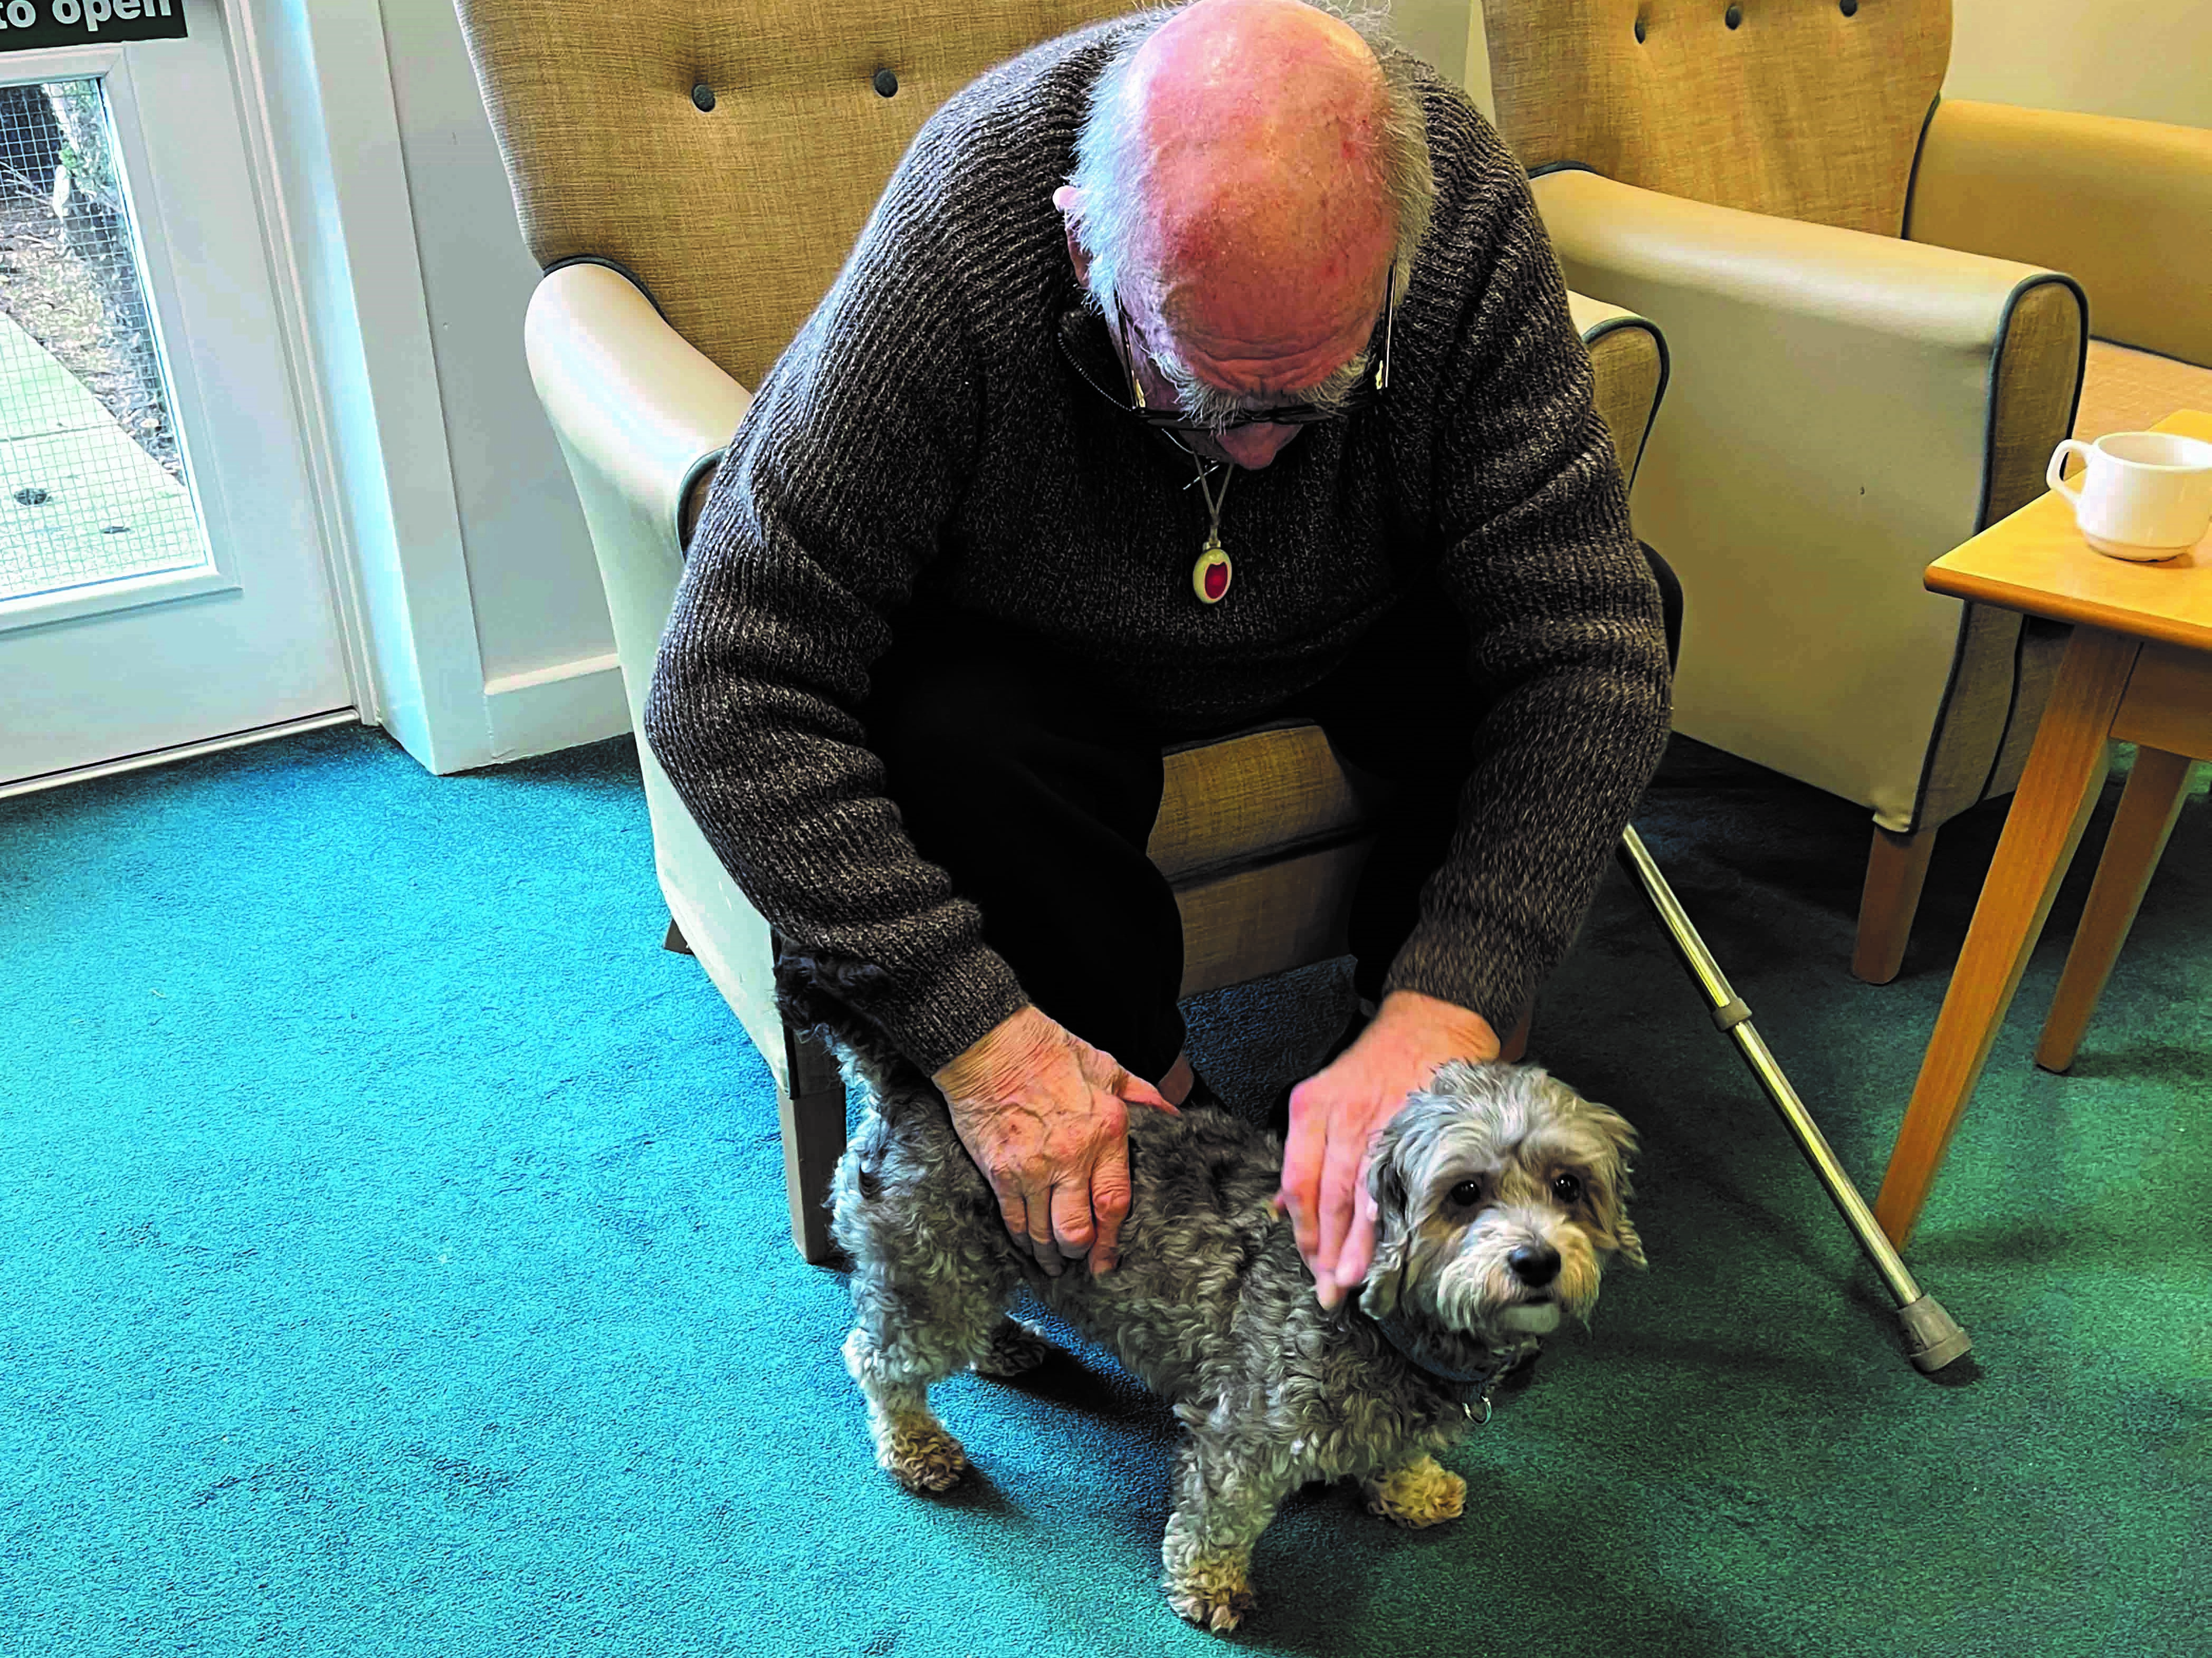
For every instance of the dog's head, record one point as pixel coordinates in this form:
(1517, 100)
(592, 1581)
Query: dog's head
(1500, 1197)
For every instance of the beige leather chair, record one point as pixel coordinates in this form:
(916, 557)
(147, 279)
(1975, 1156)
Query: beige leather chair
(1878, 351)
(690, 177)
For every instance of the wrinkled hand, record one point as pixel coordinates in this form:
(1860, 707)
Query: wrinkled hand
(1045, 1117)
(1335, 1115)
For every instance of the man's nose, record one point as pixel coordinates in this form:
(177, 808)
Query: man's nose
(1254, 447)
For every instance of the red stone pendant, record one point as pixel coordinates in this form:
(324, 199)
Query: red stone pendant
(1209, 577)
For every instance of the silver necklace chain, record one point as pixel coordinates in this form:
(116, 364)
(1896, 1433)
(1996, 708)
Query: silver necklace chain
(1214, 502)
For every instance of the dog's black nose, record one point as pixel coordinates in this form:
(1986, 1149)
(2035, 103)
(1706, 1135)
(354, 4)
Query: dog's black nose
(1534, 1264)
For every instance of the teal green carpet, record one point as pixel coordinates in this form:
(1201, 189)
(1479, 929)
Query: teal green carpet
(393, 1261)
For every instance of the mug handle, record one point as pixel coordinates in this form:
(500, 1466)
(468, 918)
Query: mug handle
(2054, 474)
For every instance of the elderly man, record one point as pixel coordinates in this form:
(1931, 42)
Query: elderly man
(1195, 368)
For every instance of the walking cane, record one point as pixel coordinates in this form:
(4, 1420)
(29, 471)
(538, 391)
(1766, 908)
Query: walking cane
(1932, 1337)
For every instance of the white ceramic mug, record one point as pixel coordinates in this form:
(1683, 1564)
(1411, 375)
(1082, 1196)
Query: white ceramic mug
(2146, 495)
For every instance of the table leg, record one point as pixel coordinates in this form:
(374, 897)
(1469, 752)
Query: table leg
(2072, 751)
(2148, 807)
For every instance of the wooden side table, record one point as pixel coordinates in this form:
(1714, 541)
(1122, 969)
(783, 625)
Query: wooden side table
(2139, 669)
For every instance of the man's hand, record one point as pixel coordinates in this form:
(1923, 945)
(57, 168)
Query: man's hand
(1335, 1115)
(1045, 1115)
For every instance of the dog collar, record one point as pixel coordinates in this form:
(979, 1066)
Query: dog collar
(1474, 1386)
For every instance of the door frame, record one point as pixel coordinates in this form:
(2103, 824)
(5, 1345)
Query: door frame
(323, 133)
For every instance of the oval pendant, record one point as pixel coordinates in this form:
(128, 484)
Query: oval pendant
(1209, 577)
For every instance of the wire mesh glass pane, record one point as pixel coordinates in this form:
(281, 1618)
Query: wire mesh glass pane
(93, 482)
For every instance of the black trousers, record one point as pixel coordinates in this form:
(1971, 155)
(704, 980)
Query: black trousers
(1035, 792)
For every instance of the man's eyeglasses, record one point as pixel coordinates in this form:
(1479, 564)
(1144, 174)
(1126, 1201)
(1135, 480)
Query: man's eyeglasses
(1365, 395)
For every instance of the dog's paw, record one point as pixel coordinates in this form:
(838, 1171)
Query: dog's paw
(1213, 1594)
(1015, 1350)
(1422, 1493)
(922, 1457)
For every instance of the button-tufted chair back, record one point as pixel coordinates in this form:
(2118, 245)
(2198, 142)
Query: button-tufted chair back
(1802, 109)
(727, 154)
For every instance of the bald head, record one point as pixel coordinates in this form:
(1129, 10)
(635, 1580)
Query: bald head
(1265, 190)
(1247, 176)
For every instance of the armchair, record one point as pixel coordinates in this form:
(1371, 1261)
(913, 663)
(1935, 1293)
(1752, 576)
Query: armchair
(1863, 287)
(691, 179)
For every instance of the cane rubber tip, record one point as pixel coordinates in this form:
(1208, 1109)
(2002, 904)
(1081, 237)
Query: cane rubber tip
(1932, 1337)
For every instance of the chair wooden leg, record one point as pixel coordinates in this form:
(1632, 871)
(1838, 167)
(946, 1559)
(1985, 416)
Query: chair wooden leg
(1897, 868)
(2073, 747)
(812, 1115)
(2148, 806)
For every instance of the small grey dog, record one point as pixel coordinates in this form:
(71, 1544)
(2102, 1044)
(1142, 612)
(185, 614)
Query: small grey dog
(1499, 1194)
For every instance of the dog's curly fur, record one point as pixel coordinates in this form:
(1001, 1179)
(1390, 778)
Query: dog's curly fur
(1480, 1215)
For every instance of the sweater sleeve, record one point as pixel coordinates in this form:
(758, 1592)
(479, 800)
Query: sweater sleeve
(1568, 649)
(830, 502)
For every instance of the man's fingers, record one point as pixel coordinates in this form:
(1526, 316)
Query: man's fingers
(1072, 1229)
(1038, 1206)
(1358, 1251)
(1109, 1203)
(1129, 1086)
(1300, 1190)
(1340, 1177)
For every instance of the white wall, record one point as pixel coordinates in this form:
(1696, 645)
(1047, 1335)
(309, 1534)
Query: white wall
(488, 631)
(1477, 62)
(2150, 60)
(1435, 30)
(538, 604)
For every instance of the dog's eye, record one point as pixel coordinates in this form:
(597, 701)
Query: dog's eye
(1567, 1188)
(1468, 1194)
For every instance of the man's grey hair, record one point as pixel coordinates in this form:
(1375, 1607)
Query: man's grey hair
(1110, 172)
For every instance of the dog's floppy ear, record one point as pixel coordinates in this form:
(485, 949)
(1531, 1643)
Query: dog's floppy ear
(1619, 1140)
(1394, 1231)
(1631, 1245)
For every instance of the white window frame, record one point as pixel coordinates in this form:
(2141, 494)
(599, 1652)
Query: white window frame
(108, 65)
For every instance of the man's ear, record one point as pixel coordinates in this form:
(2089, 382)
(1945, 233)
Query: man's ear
(1069, 200)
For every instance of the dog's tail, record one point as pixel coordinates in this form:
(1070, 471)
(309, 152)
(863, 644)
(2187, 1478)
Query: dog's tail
(816, 994)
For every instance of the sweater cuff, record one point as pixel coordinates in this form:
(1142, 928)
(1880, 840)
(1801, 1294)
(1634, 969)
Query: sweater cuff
(1494, 977)
(934, 1017)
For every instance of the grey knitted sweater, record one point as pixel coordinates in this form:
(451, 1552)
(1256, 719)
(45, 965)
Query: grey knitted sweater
(925, 436)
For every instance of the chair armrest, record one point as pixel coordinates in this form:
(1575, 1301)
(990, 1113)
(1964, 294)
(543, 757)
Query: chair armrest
(2124, 206)
(1628, 356)
(641, 415)
(1833, 423)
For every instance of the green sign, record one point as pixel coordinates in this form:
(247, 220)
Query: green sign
(28, 24)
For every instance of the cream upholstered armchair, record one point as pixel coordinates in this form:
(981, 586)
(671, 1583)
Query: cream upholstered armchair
(690, 177)
(1877, 303)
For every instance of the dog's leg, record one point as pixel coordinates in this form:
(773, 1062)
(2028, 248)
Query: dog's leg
(923, 1309)
(911, 1444)
(929, 1291)
(1015, 1349)
(1223, 1501)
(1421, 1492)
